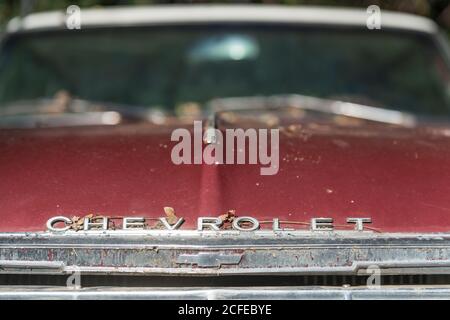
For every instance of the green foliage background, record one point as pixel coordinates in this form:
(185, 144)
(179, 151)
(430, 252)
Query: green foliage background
(438, 10)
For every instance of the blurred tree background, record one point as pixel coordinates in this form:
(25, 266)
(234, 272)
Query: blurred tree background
(438, 10)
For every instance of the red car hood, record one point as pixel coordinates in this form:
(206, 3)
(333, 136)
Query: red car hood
(398, 177)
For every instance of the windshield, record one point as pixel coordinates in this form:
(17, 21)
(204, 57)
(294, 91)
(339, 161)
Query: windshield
(164, 67)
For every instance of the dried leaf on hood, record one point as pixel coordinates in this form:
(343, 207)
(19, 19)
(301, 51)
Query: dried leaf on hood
(78, 222)
(171, 216)
(228, 217)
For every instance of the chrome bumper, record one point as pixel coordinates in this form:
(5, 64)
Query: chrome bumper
(268, 293)
(222, 255)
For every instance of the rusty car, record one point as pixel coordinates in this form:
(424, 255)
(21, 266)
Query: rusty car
(93, 206)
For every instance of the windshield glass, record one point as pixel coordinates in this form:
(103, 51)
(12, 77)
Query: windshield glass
(163, 67)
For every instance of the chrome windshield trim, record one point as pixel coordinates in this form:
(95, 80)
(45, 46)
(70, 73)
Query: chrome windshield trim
(179, 14)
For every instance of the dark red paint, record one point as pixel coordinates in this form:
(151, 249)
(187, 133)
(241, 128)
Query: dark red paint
(398, 177)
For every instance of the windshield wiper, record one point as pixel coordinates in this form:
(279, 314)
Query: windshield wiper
(335, 107)
(72, 112)
(328, 106)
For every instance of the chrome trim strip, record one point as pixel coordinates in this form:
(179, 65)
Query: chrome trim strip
(253, 293)
(189, 14)
(209, 259)
(347, 234)
(321, 253)
(356, 268)
(21, 264)
(31, 267)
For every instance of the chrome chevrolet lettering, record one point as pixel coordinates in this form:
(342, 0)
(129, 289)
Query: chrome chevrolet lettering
(209, 223)
(241, 224)
(359, 222)
(168, 226)
(238, 224)
(131, 223)
(90, 224)
(322, 224)
(52, 224)
(276, 226)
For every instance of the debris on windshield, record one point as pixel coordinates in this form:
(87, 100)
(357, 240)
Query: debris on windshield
(60, 102)
(270, 119)
(229, 117)
(348, 121)
(290, 130)
(296, 130)
(189, 109)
